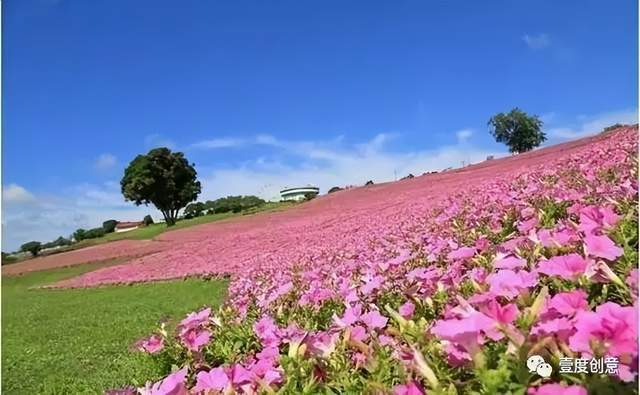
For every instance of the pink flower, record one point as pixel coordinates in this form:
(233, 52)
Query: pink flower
(612, 329)
(503, 314)
(195, 338)
(238, 375)
(462, 253)
(195, 319)
(466, 332)
(557, 389)
(406, 310)
(593, 218)
(374, 319)
(215, 379)
(152, 344)
(602, 246)
(173, 384)
(411, 388)
(350, 317)
(569, 303)
(509, 284)
(267, 331)
(560, 327)
(509, 262)
(568, 267)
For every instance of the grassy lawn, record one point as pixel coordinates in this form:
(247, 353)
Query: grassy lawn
(78, 341)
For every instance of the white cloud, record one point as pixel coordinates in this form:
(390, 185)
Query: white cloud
(105, 162)
(219, 143)
(331, 163)
(14, 193)
(45, 217)
(587, 125)
(539, 41)
(464, 135)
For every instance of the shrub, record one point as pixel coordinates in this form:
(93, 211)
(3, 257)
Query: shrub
(109, 226)
(8, 259)
(613, 127)
(33, 247)
(369, 183)
(147, 220)
(94, 233)
(334, 189)
(79, 235)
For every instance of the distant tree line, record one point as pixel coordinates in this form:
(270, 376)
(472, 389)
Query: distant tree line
(234, 204)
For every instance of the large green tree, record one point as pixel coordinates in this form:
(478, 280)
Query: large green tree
(33, 247)
(163, 178)
(518, 130)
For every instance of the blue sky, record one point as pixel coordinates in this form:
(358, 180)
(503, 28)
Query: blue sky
(264, 95)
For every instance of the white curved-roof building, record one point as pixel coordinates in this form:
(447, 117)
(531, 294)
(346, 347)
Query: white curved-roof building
(298, 193)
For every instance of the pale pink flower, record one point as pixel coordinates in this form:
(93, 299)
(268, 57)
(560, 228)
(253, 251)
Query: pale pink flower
(557, 389)
(215, 379)
(407, 309)
(509, 284)
(411, 388)
(152, 344)
(374, 320)
(602, 247)
(462, 253)
(611, 327)
(568, 267)
(173, 384)
(195, 338)
(509, 262)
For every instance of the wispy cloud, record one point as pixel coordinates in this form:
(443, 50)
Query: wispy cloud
(226, 142)
(537, 41)
(463, 135)
(105, 162)
(333, 163)
(586, 125)
(14, 193)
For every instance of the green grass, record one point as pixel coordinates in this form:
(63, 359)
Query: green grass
(79, 341)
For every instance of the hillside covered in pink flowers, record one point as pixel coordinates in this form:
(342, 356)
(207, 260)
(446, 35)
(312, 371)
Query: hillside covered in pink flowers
(444, 284)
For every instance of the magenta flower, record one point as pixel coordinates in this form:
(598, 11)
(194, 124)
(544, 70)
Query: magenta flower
(195, 338)
(509, 284)
(374, 320)
(602, 247)
(462, 253)
(503, 314)
(152, 344)
(569, 303)
(559, 327)
(466, 332)
(611, 330)
(407, 309)
(568, 267)
(509, 262)
(267, 331)
(216, 379)
(557, 389)
(411, 388)
(593, 218)
(350, 317)
(195, 319)
(173, 384)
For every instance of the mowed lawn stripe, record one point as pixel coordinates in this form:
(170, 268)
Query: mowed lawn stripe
(78, 340)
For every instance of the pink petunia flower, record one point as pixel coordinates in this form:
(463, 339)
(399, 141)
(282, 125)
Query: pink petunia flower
(557, 389)
(152, 344)
(602, 247)
(462, 253)
(195, 338)
(568, 267)
(411, 388)
(374, 320)
(612, 330)
(509, 262)
(267, 331)
(407, 309)
(173, 384)
(509, 284)
(215, 379)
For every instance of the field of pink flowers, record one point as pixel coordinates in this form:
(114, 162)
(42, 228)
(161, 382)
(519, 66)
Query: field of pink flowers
(425, 293)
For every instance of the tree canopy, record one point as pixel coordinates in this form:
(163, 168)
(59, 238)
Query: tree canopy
(163, 178)
(518, 130)
(33, 247)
